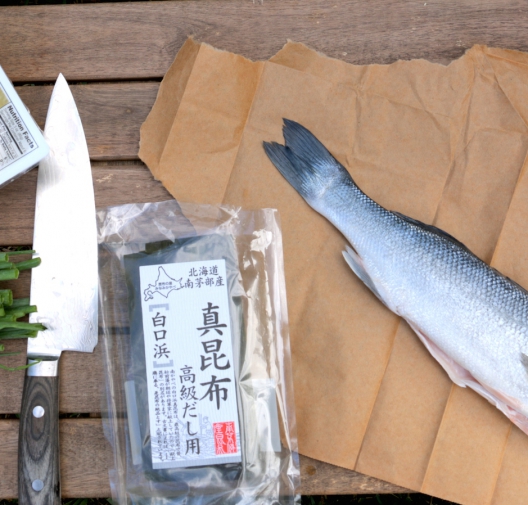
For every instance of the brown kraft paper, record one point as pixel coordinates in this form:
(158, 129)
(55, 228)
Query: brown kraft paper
(443, 144)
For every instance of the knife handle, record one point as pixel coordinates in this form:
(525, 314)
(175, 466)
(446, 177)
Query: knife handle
(38, 442)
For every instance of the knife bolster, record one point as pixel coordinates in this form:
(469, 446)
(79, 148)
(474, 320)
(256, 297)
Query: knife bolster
(47, 367)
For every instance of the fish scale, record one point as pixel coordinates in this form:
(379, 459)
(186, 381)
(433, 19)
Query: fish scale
(471, 318)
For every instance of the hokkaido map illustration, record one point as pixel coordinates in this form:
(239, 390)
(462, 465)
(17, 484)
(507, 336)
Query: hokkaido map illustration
(164, 285)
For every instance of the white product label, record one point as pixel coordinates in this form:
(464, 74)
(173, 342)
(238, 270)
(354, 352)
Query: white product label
(190, 368)
(15, 139)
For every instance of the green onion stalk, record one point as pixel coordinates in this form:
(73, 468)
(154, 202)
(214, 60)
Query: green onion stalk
(12, 309)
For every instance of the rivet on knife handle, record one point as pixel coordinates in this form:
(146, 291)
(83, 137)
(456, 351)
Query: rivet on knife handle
(38, 463)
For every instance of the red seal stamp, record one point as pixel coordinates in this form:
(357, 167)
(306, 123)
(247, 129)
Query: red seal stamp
(225, 438)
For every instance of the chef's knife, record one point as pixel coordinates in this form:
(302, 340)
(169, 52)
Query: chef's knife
(64, 289)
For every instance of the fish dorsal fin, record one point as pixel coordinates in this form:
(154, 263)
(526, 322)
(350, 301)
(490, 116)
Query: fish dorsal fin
(432, 229)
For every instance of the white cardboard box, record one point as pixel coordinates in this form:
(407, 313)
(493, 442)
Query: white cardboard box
(22, 144)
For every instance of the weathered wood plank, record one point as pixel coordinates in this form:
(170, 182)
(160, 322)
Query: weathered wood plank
(318, 478)
(81, 381)
(111, 114)
(86, 456)
(114, 184)
(140, 40)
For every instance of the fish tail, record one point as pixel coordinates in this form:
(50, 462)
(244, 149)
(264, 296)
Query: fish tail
(304, 162)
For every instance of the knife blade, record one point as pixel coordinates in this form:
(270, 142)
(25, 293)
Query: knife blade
(64, 289)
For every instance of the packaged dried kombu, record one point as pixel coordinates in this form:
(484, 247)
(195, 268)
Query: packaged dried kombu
(197, 362)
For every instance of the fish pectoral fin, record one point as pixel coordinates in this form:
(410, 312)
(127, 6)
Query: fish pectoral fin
(356, 264)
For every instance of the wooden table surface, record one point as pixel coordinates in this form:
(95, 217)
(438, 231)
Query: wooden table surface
(115, 55)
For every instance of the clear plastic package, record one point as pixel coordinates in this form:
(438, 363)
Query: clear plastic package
(196, 350)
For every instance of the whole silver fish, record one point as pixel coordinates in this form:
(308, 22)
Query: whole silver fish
(471, 318)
